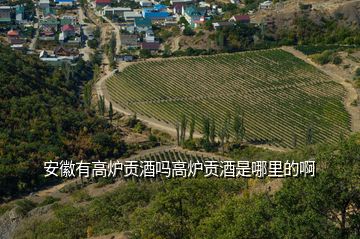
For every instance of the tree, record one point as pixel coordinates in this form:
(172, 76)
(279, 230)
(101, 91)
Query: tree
(177, 128)
(206, 129)
(227, 125)
(111, 112)
(101, 105)
(145, 53)
(294, 140)
(87, 95)
(188, 31)
(183, 125)
(183, 21)
(222, 135)
(192, 127)
(212, 133)
(309, 136)
(239, 127)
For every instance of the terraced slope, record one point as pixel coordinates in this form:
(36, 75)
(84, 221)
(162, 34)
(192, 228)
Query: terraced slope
(281, 95)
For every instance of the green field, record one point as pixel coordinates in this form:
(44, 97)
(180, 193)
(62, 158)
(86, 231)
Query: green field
(280, 95)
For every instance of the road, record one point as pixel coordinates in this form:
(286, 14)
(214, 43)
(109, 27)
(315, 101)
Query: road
(32, 45)
(117, 34)
(86, 51)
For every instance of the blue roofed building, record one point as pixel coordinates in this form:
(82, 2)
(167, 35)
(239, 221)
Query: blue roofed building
(194, 15)
(160, 7)
(157, 12)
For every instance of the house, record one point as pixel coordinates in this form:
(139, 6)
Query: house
(157, 12)
(102, 3)
(68, 3)
(19, 11)
(49, 12)
(177, 8)
(44, 4)
(149, 36)
(265, 5)
(205, 4)
(126, 58)
(14, 38)
(68, 31)
(142, 24)
(145, 3)
(5, 16)
(220, 25)
(152, 46)
(68, 20)
(194, 16)
(115, 11)
(55, 60)
(129, 41)
(243, 19)
(131, 16)
(49, 22)
(48, 27)
(130, 29)
(62, 51)
(173, 2)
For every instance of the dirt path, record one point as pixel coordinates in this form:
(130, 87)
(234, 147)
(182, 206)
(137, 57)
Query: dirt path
(339, 77)
(116, 30)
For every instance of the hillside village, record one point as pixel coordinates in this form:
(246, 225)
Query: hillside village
(59, 31)
(66, 30)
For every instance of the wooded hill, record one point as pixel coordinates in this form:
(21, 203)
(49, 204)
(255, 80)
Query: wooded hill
(42, 119)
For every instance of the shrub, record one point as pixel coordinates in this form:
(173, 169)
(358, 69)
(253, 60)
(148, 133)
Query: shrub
(323, 58)
(81, 196)
(357, 72)
(24, 206)
(337, 60)
(139, 127)
(93, 43)
(48, 200)
(188, 31)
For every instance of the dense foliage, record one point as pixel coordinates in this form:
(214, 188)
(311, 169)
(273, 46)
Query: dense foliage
(326, 206)
(41, 119)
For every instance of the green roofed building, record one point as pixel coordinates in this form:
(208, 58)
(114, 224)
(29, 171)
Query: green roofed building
(48, 11)
(20, 10)
(142, 24)
(66, 21)
(50, 22)
(195, 15)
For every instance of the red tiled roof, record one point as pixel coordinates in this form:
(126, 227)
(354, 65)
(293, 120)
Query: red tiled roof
(68, 27)
(12, 33)
(103, 1)
(178, 6)
(242, 18)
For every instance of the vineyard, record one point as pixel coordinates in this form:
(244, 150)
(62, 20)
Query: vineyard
(175, 155)
(281, 96)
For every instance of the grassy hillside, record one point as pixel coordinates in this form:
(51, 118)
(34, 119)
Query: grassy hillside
(280, 96)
